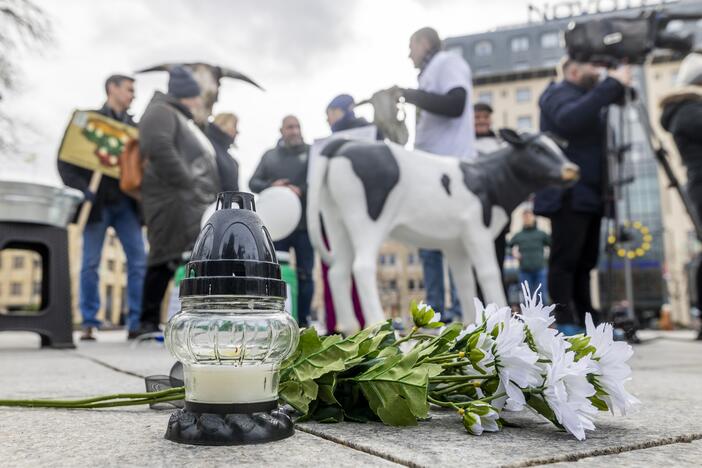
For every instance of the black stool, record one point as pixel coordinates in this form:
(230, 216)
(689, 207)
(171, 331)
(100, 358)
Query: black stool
(53, 321)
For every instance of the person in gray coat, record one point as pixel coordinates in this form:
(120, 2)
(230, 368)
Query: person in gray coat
(180, 181)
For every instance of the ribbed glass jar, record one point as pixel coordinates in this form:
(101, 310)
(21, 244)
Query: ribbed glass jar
(231, 347)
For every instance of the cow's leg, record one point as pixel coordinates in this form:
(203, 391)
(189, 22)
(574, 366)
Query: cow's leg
(340, 273)
(480, 245)
(366, 247)
(462, 271)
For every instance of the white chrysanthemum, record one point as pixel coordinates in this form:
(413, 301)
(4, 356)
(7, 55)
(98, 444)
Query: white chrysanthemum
(568, 391)
(480, 417)
(538, 320)
(516, 365)
(611, 369)
(492, 315)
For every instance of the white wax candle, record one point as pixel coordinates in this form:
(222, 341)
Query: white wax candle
(230, 384)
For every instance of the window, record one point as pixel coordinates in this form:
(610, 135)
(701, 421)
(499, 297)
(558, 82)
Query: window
(108, 300)
(15, 289)
(483, 48)
(519, 44)
(17, 262)
(393, 284)
(36, 288)
(523, 94)
(36, 263)
(421, 284)
(550, 40)
(391, 259)
(410, 285)
(485, 96)
(381, 259)
(110, 265)
(524, 122)
(411, 259)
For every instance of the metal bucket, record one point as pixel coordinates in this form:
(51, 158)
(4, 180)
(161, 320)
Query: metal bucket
(26, 202)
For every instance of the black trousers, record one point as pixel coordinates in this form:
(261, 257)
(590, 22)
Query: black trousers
(575, 245)
(155, 285)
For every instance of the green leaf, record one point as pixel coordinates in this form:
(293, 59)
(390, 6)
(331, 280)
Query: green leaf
(299, 395)
(318, 358)
(541, 407)
(434, 325)
(396, 390)
(599, 404)
(327, 386)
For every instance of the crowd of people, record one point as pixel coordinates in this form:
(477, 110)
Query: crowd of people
(186, 163)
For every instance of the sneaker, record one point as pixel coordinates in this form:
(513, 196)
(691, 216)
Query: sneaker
(87, 335)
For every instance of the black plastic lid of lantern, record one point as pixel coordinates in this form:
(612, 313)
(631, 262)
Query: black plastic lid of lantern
(233, 254)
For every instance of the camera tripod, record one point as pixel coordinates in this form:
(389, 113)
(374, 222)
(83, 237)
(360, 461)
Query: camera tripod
(618, 146)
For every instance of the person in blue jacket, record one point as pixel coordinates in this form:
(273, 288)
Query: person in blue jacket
(575, 109)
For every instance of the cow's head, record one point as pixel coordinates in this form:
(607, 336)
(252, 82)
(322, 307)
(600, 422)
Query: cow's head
(208, 77)
(539, 160)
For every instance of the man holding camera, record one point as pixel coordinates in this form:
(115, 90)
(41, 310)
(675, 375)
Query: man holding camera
(575, 109)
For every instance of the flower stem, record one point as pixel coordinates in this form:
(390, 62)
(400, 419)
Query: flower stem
(408, 336)
(454, 387)
(445, 357)
(493, 397)
(458, 378)
(117, 399)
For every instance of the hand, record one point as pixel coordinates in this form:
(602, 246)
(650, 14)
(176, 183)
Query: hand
(295, 189)
(280, 182)
(395, 92)
(622, 74)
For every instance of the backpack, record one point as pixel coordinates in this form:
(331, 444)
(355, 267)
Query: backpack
(131, 170)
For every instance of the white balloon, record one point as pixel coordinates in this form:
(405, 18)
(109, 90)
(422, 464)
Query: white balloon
(280, 210)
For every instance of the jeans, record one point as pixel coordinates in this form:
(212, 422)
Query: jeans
(299, 241)
(125, 221)
(433, 266)
(575, 246)
(534, 279)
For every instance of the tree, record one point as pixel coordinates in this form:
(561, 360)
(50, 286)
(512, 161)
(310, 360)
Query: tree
(23, 27)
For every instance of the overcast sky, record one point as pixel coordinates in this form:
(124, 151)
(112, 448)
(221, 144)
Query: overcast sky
(304, 52)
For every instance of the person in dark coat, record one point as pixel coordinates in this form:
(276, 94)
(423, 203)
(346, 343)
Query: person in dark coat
(110, 207)
(682, 117)
(286, 165)
(222, 132)
(341, 116)
(575, 110)
(180, 182)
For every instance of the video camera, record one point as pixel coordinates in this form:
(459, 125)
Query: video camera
(610, 41)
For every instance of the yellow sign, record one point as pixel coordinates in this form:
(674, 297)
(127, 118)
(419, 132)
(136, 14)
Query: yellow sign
(95, 142)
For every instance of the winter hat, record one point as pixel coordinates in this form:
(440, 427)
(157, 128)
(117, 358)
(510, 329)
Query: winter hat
(181, 83)
(343, 102)
(690, 72)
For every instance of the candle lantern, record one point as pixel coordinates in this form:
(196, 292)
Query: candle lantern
(232, 332)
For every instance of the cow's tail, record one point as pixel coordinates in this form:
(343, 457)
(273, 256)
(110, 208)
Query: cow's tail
(315, 185)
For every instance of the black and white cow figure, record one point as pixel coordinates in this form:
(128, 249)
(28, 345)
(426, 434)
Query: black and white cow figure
(369, 192)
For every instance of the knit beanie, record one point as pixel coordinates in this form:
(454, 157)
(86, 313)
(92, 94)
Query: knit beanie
(181, 83)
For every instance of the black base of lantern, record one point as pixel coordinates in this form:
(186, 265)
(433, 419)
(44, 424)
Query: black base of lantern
(189, 427)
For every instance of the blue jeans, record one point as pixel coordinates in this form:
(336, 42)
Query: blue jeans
(534, 279)
(125, 221)
(299, 241)
(433, 266)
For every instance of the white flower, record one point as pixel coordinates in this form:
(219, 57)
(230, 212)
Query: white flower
(516, 365)
(538, 320)
(611, 369)
(480, 417)
(492, 315)
(568, 391)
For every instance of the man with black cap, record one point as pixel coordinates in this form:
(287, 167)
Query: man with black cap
(180, 181)
(111, 207)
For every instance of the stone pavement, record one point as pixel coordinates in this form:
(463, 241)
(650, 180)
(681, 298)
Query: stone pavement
(666, 430)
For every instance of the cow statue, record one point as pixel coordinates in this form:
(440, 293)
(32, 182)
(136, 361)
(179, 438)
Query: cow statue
(367, 192)
(208, 77)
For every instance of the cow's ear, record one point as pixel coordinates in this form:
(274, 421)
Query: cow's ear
(512, 137)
